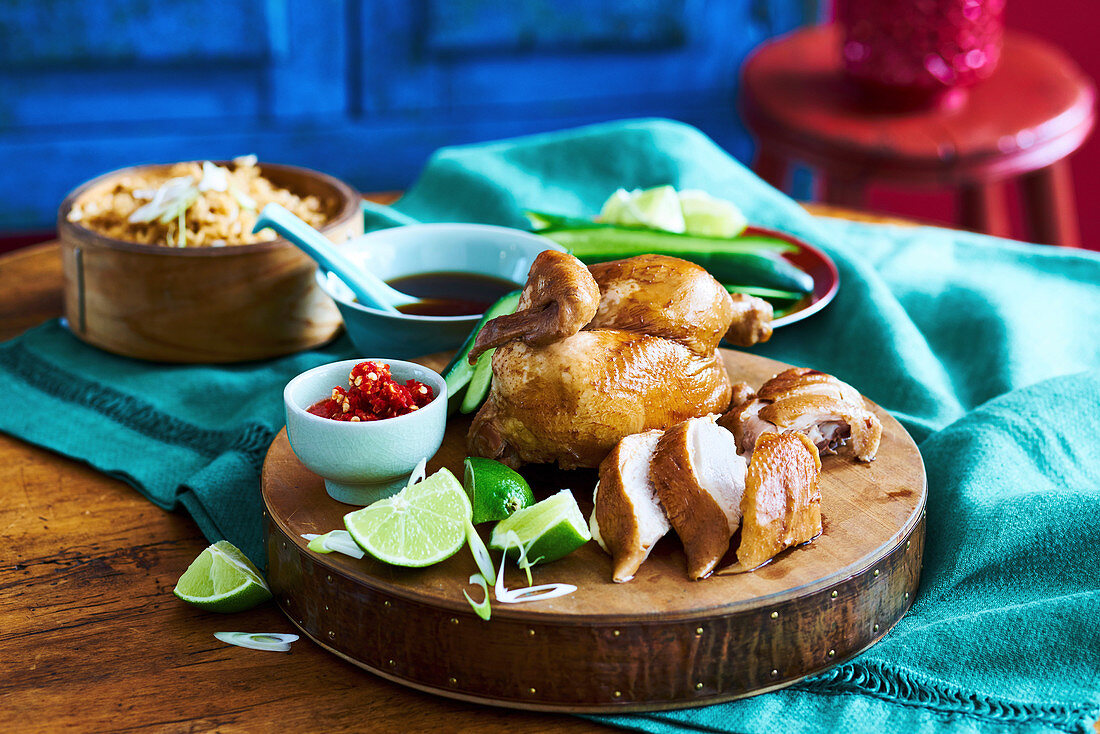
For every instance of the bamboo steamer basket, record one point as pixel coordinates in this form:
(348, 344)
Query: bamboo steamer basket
(203, 304)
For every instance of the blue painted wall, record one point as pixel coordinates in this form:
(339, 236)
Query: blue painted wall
(362, 89)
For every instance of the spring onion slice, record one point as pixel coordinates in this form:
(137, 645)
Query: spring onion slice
(271, 641)
(481, 554)
(482, 608)
(338, 541)
(418, 473)
(505, 595)
(536, 593)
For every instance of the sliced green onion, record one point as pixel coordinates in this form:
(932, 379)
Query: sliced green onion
(338, 541)
(273, 641)
(480, 553)
(511, 538)
(181, 234)
(482, 608)
(418, 473)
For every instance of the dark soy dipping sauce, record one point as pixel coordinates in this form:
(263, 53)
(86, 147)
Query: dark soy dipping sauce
(450, 293)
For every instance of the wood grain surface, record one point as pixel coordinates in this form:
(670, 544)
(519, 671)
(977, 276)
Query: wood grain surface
(659, 641)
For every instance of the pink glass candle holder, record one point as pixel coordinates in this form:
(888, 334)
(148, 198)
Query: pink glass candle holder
(916, 50)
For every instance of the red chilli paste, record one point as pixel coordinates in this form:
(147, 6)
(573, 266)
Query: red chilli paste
(372, 395)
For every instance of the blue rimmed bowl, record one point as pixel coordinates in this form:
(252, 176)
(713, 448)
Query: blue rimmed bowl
(499, 252)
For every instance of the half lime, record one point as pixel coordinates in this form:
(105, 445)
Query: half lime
(495, 490)
(420, 525)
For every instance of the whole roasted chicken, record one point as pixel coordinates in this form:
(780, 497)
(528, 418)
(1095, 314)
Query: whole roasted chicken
(595, 354)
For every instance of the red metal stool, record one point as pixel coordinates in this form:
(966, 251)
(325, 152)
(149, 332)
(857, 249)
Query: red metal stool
(1022, 122)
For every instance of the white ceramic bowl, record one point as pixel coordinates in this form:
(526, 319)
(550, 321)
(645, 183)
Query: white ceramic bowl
(363, 461)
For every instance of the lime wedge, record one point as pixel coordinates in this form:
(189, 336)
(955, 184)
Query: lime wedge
(222, 579)
(707, 216)
(548, 530)
(420, 525)
(495, 490)
(658, 208)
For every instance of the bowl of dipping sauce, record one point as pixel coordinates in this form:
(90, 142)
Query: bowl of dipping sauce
(364, 424)
(458, 270)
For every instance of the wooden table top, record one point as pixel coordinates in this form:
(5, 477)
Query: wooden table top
(93, 638)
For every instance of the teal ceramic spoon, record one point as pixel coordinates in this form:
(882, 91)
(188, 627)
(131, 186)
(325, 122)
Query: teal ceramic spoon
(368, 289)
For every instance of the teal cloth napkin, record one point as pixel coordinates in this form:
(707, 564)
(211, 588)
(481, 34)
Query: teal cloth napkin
(988, 351)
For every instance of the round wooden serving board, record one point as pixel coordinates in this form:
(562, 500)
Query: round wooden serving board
(659, 641)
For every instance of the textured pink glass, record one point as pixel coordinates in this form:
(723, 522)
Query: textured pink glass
(920, 48)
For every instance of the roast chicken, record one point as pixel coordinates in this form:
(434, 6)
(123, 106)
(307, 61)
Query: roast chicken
(593, 355)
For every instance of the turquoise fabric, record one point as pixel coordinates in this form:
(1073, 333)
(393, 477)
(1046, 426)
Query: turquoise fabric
(190, 437)
(988, 351)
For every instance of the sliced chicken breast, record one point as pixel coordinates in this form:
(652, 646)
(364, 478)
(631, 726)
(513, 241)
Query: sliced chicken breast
(781, 506)
(627, 518)
(700, 479)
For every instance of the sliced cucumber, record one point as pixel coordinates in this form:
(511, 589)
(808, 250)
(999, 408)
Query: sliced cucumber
(459, 372)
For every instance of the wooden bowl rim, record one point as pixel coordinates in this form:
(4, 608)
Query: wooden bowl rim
(349, 209)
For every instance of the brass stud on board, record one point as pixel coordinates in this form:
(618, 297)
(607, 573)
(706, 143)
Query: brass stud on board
(834, 594)
(775, 673)
(287, 600)
(284, 544)
(907, 595)
(775, 615)
(907, 544)
(329, 578)
(832, 653)
(331, 635)
(530, 633)
(454, 620)
(875, 628)
(698, 686)
(615, 633)
(617, 694)
(531, 691)
(698, 630)
(876, 573)
(386, 604)
(392, 663)
(452, 680)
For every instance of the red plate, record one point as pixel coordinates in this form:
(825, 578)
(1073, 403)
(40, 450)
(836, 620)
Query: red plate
(811, 260)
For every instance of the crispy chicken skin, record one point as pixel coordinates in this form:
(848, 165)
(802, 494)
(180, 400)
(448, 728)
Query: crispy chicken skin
(645, 356)
(800, 400)
(573, 400)
(662, 296)
(781, 506)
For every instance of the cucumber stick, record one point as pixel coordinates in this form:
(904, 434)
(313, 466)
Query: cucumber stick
(460, 372)
(482, 379)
